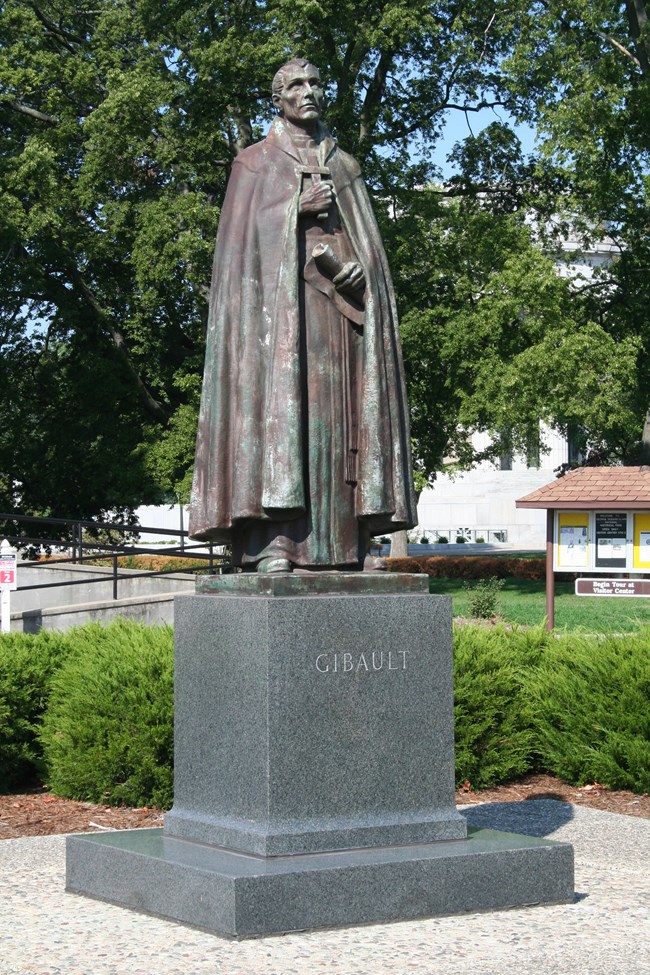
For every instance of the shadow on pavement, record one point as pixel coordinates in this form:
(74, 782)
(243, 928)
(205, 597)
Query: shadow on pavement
(532, 816)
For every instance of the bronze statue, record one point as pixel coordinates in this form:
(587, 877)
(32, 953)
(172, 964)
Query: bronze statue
(303, 446)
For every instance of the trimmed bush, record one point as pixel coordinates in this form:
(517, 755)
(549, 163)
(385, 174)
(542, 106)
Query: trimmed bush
(494, 740)
(471, 566)
(27, 665)
(108, 732)
(590, 710)
(484, 597)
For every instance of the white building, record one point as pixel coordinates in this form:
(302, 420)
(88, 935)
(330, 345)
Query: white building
(481, 503)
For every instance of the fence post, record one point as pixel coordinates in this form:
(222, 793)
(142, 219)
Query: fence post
(114, 575)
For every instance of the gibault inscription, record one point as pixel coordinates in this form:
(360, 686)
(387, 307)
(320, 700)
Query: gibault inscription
(351, 663)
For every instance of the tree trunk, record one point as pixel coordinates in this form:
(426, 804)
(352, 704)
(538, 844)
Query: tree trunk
(645, 440)
(399, 545)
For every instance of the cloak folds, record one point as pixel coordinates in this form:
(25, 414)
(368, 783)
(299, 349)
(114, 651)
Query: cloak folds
(250, 445)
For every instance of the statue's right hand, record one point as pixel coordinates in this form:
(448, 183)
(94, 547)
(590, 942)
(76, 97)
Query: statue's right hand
(317, 198)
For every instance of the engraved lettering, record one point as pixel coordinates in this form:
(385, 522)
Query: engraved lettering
(352, 663)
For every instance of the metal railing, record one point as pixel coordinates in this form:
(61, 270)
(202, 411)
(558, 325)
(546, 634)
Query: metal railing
(469, 534)
(75, 537)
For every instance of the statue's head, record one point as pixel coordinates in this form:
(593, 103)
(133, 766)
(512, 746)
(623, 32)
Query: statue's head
(298, 92)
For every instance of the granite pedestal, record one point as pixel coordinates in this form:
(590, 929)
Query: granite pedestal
(314, 769)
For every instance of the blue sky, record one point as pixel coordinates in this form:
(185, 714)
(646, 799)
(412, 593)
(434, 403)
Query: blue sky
(458, 126)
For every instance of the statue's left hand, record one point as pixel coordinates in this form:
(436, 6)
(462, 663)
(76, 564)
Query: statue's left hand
(350, 279)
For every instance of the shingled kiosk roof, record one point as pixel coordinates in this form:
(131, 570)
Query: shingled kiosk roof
(594, 487)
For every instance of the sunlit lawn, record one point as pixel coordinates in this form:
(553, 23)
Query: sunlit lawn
(524, 602)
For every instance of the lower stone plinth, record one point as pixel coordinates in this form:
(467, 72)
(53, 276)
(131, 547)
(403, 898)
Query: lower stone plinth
(243, 896)
(314, 771)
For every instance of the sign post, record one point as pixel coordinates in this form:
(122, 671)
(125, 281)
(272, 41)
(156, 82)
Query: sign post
(8, 582)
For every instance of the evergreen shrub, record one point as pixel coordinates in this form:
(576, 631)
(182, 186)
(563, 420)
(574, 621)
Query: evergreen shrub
(494, 740)
(590, 705)
(108, 731)
(27, 664)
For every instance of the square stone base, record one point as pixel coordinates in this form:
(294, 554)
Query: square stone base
(242, 895)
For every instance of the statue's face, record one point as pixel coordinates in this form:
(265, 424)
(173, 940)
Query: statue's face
(301, 98)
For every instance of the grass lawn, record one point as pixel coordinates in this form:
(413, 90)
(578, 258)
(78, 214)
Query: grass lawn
(524, 602)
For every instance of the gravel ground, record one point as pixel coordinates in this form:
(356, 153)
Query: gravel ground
(44, 931)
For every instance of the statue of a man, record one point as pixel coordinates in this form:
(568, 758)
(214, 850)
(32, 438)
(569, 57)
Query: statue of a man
(303, 445)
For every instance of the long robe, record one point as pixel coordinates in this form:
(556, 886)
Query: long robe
(257, 464)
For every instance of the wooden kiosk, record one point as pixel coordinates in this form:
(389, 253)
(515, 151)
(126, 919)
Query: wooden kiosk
(598, 523)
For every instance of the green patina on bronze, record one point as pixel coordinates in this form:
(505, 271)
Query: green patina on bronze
(303, 445)
(313, 584)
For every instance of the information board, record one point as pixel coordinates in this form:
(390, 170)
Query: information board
(611, 540)
(573, 548)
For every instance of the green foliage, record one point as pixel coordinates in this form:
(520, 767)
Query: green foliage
(495, 340)
(590, 703)
(27, 666)
(494, 740)
(108, 732)
(577, 706)
(484, 597)
(118, 126)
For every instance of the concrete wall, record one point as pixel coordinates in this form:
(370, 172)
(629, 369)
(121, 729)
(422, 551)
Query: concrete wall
(146, 599)
(130, 583)
(151, 610)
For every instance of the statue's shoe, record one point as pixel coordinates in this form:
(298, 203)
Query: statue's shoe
(274, 565)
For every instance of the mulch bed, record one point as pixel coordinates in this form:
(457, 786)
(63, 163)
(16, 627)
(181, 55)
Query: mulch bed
(38, 813)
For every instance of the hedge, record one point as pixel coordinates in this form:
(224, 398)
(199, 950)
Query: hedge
(27, 665)
(471, 567)
(526, 700)
(494, 739)
(589, 702)
(107, 734)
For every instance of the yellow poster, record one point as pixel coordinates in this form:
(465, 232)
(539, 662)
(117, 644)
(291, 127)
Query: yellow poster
(642, 541)
(573, 539)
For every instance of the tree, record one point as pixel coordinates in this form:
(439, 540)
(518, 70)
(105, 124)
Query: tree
(118, 124)
(580, 72)
(495, 339)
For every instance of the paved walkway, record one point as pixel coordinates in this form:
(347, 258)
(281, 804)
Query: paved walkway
(44, 931)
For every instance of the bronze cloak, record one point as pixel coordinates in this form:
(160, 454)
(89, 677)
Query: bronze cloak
(249, 452)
